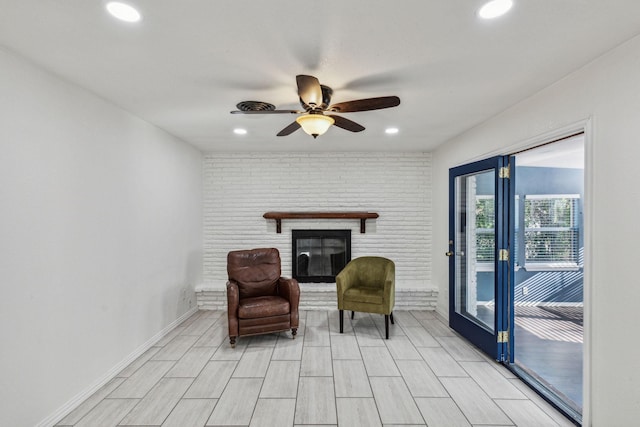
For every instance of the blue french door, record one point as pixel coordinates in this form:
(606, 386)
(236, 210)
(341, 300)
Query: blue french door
(480, 226)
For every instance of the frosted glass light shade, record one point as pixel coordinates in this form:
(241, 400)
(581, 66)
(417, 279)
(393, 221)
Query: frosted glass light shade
(315, 124)
(123, 11)
(495, 8)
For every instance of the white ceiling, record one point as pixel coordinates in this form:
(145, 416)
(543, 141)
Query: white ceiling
(188, 62)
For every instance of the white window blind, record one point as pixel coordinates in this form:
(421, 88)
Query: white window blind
(551, 230)
(485, 229)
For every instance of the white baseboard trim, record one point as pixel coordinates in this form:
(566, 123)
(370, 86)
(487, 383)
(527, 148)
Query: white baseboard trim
(75, 401)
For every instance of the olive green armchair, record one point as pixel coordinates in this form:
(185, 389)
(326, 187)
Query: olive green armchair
(367, 284)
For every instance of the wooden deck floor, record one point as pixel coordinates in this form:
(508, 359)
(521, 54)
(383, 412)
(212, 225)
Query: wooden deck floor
(549, 345)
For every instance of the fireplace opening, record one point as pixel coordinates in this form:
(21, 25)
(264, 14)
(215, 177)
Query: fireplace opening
(319, 255)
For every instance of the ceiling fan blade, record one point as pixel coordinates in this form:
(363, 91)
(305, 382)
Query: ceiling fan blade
(346, 124)
(289, 129)
(268, 112)
(309, 91)
(365, 104)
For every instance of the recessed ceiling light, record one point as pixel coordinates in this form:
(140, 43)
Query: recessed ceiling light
(239, 131)
(123, 11)
(391, 131)
(495, 8)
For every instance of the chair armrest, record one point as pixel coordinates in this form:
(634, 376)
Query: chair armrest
(344, 280)
(289, 289)
(389, 294)
(233, 295)
(233, 301)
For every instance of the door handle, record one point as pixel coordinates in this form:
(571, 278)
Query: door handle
(450, 253)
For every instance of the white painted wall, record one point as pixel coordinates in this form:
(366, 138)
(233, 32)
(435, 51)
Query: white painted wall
(100, 230)
(606, 92)
(240, 188)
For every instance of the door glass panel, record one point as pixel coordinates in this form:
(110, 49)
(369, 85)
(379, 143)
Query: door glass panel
(549, 274)
(475, 248)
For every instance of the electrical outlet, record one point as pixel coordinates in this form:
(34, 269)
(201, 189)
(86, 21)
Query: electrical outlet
(525, 290)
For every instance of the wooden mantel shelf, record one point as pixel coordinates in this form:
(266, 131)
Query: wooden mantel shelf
(279, 216)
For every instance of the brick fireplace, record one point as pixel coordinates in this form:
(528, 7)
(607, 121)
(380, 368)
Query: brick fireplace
(240, 187)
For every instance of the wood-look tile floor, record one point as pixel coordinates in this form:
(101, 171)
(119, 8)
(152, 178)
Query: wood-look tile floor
(424, 375)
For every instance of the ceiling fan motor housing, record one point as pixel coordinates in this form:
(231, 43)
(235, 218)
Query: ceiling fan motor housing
(327, 92)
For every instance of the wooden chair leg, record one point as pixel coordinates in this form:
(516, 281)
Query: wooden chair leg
(341, 320)
(391, 317)
(294, 332)
(232, 341)
(352, 313)
(386, 326)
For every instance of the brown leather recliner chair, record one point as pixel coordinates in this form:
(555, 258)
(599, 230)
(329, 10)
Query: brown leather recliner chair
(259, 300)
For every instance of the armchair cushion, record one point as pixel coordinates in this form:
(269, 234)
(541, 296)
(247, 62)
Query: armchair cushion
(267, 306)
(364, 294)
(256, 271)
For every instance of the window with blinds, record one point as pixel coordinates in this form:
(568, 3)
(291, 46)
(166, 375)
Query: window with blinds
(551, 230)
(485, 223)
(550, 234)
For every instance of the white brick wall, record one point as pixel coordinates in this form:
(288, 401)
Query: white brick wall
(240, 187)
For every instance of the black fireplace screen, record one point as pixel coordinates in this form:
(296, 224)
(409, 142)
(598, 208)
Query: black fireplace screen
(319, 255)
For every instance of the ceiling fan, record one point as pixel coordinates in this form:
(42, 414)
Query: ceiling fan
(315, 99)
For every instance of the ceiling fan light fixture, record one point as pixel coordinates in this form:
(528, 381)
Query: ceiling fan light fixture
(315, 124)
(495, 8)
